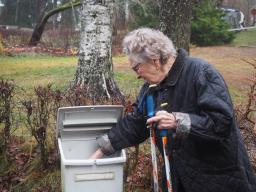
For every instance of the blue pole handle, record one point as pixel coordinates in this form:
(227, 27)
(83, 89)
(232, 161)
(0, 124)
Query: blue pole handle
(163, 133)
(151, 112)
(150, 106)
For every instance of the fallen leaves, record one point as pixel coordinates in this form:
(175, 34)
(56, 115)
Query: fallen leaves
(17, 49)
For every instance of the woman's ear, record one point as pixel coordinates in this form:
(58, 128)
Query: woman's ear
(157, 64)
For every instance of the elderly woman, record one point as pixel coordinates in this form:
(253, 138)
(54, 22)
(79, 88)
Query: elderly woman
(206, 152)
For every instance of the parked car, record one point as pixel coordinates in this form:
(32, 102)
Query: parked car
(234, 17)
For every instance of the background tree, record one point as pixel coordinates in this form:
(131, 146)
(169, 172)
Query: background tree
(55, 17)
(94, 73)
(8, 16)
(208, 27)
(144, 14)
(39, 28)
(22, 13)
(175, 20)
(25, 13)
(41, 6)
(35, 14)
(121, 15)
(67, 19)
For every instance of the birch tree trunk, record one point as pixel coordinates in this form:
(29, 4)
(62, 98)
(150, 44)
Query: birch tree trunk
(95, 69)
(175, 21)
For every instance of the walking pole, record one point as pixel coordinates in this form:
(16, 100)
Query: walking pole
(163, 134)
(151, 113)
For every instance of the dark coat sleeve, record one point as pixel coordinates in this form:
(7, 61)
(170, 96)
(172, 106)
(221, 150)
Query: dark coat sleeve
(215, 118)
(131, 130)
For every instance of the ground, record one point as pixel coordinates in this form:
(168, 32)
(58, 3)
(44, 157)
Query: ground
(230, 61)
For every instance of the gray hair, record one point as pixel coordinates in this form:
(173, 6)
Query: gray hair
(145, 43)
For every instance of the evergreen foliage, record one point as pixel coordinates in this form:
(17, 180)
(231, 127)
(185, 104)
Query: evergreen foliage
(207, 26)
(144, 14)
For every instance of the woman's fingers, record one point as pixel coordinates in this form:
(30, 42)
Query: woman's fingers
(163, 119)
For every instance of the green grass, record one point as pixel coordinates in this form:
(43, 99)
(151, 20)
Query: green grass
(128, 83)
(31, 70)
(119, 59)
(245, 38)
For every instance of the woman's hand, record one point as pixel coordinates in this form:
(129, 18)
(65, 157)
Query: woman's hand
(164, 120)
(97, 155)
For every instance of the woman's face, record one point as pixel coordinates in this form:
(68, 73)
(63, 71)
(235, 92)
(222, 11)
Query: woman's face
(149, 70)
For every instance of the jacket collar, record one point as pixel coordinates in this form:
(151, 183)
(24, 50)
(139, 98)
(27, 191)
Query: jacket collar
(175, 70)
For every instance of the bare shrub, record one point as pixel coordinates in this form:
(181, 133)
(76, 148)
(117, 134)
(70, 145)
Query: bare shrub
(246, 117)
(76, 96)
(139, 174)
(38, 113)
(61, 38)
(6, 95)
(13, 36)
(1, 45)
(65, 38)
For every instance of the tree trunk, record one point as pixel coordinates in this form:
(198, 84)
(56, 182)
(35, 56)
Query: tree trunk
(40, 22)
(175, 21)
(40, 9)
(17, 12)
(121, 12)
(66, 17)
(55, 19)
(95, 69)
(37, 33)
(7, 16)
(39, 28)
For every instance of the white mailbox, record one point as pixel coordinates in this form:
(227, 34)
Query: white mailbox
(78, 128)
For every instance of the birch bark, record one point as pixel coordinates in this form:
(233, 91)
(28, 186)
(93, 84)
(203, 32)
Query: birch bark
(95, 69)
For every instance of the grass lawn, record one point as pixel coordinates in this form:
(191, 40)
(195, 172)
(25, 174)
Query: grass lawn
(245, 38)
(231, 62)
(31, 70)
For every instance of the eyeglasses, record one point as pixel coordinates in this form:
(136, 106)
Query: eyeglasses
(136, 67)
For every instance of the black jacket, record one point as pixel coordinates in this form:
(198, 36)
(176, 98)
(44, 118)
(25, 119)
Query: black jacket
(211, 157)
